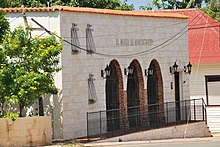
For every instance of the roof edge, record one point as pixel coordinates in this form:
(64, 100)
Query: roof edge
(99, 11)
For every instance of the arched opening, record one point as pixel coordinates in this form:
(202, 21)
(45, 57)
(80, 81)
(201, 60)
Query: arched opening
(114, 97)
(155, 94)
(135, 96)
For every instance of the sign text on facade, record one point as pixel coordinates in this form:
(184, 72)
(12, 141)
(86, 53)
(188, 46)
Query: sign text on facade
(133, 42)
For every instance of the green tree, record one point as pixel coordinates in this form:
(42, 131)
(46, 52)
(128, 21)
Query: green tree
(4, 77)
(103, 4)
(31, 65)
(5, 83)
(213, 9)
(174, 4)
(210, 7)
(4, 25)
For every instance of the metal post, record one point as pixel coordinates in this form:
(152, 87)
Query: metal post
(186, 110)
(203, 116)
(194, 109)
(167, 113)
(87, 116)
(158, 116)
(113, 126)
(204, 105)
(100, 123)
(136, 122)
(52, 122)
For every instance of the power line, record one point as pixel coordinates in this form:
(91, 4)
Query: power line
(138, 31)
(109, 55)
(16, 18)
(204, 27)
(49, 32)
(204, 23)
(125, 55)
(113, 34)
(157, 39)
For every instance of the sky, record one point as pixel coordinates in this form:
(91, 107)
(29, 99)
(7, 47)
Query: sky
(138, 3)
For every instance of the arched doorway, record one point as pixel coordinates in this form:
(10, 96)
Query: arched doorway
(135, 95)
(114, 97)
(155, 94)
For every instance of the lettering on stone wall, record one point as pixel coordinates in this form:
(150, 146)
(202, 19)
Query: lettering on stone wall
(133, 42)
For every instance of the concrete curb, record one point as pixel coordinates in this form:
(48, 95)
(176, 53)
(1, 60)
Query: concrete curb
(203, 139)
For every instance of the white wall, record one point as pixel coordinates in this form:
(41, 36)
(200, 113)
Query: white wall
(197, 79)
(108, 28)
(198, 90)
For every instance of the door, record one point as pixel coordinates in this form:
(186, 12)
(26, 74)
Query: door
(133, 101)
(177, 96)
(153, 104)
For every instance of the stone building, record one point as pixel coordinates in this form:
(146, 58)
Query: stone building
(118, 59)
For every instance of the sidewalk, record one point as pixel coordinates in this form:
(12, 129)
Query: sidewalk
(203, 139)
(99, 144)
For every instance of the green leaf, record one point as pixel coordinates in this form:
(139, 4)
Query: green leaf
(27, 67)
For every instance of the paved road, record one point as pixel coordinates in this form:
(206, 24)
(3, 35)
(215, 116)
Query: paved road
(180, 144)
(190, 142)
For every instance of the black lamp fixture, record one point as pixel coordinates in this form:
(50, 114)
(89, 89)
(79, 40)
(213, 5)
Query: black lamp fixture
(174, 68)
(105, 72)
(128, 71)
(188, 68)
(148, 72)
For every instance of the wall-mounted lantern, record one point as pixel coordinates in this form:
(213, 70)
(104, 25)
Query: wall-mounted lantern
(148, 72)
(128, 71)
(188, 68)
(105, 72)
(174, 68)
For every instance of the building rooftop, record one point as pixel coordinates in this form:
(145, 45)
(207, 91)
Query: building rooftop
(203, 36)
(99, 11)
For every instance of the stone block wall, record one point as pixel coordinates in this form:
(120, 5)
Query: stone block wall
(115, 35)
(28, 131)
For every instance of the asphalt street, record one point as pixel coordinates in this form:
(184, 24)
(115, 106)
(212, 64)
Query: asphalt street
(188, 142)
(179, 144)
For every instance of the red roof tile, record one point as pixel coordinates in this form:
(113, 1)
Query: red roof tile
(100, 11)
(203, 42)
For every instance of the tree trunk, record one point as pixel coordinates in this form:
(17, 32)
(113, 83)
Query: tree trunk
(41, 106)
(21, 107)
(2, 108)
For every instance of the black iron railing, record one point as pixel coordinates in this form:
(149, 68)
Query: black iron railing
(104, 124)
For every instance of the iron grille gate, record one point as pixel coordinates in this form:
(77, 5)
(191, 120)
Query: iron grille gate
(191, 111)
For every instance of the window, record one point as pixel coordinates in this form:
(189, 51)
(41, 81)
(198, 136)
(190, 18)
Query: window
(212, 84)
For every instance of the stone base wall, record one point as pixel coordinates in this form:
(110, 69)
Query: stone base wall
(27, 131)
(198, 129)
